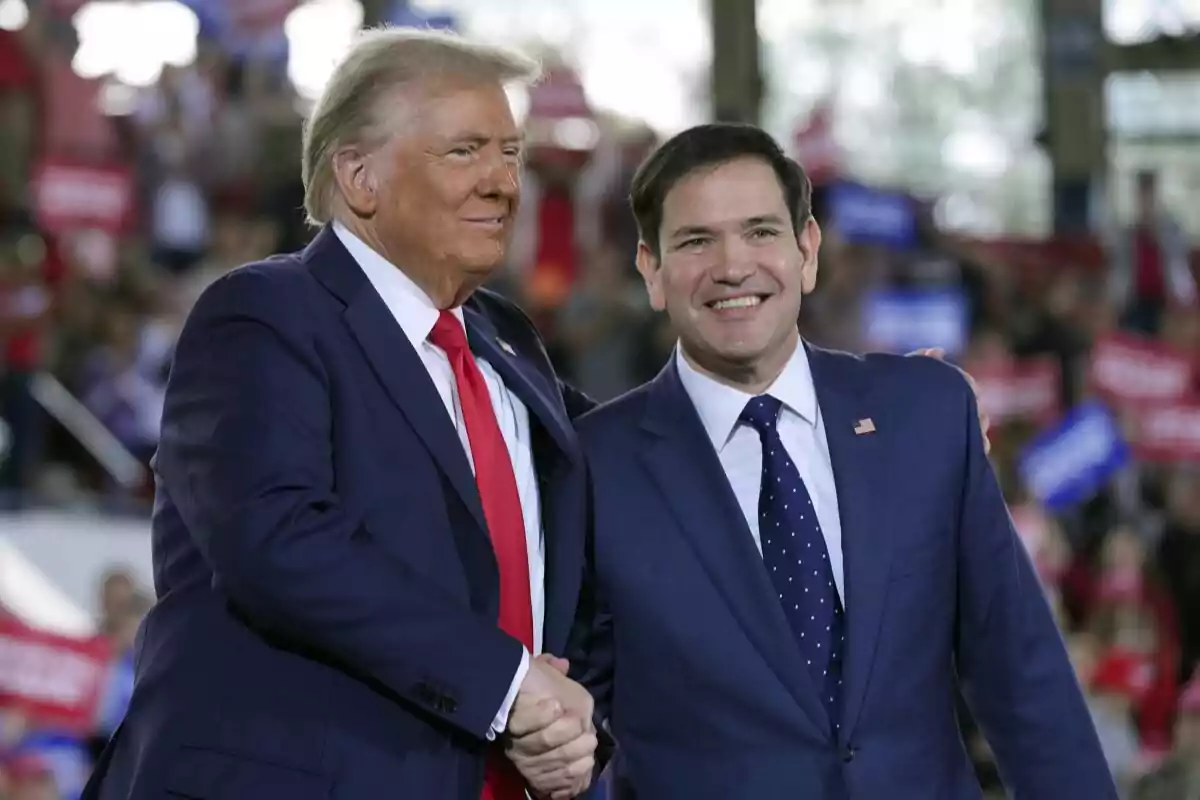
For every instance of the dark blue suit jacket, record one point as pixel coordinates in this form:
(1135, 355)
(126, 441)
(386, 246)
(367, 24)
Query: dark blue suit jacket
(694, 665)
(327, 593)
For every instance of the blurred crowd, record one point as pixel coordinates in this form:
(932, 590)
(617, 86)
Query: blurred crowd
(210, 157)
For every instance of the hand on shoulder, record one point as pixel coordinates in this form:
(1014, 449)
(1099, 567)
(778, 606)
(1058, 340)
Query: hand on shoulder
(984, 422)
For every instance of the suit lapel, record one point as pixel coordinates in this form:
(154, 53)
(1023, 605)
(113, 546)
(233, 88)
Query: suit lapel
(523, 379)
(861, 490)
(681, 460)
(395, 362)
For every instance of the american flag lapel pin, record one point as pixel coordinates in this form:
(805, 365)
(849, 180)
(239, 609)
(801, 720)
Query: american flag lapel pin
(506, 347)
(864, 426)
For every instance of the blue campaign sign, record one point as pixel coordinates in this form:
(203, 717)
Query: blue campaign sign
(901, 320)
(245, 28)
(1074, 460)
(65, 756)
(864, 215)
(403, 14)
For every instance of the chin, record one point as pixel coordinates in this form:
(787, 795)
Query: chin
(740, 356)
(483, 264)
(749, 348)
(731, 354)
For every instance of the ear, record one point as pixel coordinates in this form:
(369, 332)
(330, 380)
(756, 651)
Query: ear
(356, 180)
(650, 268)
(809, 241)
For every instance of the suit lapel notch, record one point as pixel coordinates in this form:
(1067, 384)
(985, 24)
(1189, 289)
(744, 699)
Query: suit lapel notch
(522, 379)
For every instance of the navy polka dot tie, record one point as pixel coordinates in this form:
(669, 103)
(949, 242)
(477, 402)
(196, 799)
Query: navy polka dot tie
(795, 556)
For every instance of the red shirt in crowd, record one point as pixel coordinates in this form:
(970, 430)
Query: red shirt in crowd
(16, 71)
(1149, 279)
(23, 350)
(554, 262)
(1154, 708)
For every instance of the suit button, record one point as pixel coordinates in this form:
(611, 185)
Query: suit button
(849, 754)
(447, 705)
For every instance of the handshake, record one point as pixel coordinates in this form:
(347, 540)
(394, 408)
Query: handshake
(551, 737)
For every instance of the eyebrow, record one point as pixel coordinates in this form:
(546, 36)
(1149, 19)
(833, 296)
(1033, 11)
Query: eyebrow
(481, 139)
(746, 224)
(765, 219)
(690, 230)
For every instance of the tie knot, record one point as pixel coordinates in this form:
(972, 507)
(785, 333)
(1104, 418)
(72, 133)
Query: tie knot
(762, 413)
(448, 334)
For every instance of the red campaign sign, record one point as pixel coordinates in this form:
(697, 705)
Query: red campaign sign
(1027, 389)
(1080, 255)
(560, 124)
(57, 680)
(1167, 432)
(70, 197)
(558, 95)
(815, 146)
(1130, 370)
(73, 124)
(1055, 255)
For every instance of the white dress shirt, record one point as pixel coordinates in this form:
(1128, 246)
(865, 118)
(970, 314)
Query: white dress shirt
(416, 315)
(740, 450)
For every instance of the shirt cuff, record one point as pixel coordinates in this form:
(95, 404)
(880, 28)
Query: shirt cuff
(500, 723)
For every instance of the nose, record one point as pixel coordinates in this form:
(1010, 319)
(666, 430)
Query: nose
(500, 177)
(735, 262)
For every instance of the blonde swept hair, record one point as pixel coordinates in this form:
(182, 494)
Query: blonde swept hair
(381, 61)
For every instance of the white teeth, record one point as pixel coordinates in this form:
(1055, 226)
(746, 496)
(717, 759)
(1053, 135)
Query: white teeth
(738, 302)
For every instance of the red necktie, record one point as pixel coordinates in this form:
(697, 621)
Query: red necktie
(502, 509)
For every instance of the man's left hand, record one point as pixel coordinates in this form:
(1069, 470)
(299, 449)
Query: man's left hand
(984, 422)
(555, 753)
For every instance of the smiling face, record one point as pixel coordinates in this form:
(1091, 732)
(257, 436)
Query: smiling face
(732, 270)
(439, 197)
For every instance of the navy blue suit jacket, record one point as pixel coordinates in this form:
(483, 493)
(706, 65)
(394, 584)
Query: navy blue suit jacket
(327, 593)
(692, 661)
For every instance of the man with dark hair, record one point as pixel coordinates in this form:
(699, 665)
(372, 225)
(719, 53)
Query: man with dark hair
(1151, 269)
(799, 555)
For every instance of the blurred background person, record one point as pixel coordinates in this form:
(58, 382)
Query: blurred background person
(1177, 777)
(1151, 269)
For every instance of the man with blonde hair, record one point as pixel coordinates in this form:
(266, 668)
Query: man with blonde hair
(371, 503)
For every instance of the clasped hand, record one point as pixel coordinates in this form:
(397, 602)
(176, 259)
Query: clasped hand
(551, 735)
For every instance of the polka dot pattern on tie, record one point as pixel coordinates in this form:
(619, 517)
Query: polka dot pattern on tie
(796, 558)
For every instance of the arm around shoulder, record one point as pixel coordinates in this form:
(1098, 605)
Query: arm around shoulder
(1010, 656)
(246, 456)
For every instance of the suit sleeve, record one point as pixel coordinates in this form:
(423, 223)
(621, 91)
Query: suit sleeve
(246, 456)
(1013, 667)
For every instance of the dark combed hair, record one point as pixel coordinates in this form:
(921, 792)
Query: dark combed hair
(706, 146)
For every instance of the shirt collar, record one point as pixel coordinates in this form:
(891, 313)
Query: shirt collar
(719, 405)
(409, 304)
